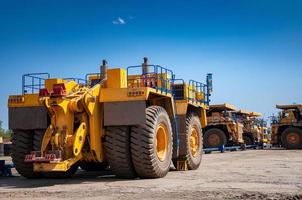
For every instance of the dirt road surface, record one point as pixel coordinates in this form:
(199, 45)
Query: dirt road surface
(252, 174)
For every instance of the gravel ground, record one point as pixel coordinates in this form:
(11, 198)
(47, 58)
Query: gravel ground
(251, 174)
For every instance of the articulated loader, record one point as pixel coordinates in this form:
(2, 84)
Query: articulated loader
(223, 128)
(135, 121)
(287, 129)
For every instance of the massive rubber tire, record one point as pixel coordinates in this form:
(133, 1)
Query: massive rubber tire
(291, 138)
(117, 151)
(214, 137)
(23, 143)
(193, 142)
(38, 137)
(93, 166)
(151, 144)
(248, 139)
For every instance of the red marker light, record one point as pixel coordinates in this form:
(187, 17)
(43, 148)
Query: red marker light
(59, 90)
(43, 92)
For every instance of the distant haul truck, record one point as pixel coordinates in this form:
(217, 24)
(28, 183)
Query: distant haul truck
(223, 128)
(254, 128)
(265, 135)
(136, 121)
(286, 129)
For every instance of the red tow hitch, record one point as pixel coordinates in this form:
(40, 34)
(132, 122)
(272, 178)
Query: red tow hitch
(36, 156)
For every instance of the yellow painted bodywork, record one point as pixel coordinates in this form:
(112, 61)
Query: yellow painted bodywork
(88, 103)
(26, 100)
(32, 100)
(224, 106)
(78, 114)
(128, 94)
(194, 141)
(251, 124)
(264, 134)
(255, 114)
(181, 108)
(203, 117)
(162, 143)
(217, 118)
(116, 78)
(79, 139)
(56, 166)
(80, 104)
(52, 81)
(235, 129)
(286, 118)
(291, 106)
(95, 110)
(244, 112)
(191, 98)
(62, 126)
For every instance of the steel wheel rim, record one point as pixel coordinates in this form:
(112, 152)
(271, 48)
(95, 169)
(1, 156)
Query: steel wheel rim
(161, 141)
(194, 142)
(293, 138)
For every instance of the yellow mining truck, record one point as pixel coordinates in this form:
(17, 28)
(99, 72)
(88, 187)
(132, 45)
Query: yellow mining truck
(223, 128)
(134, 121)
(286, 130)
(252, 132)
(265, 136)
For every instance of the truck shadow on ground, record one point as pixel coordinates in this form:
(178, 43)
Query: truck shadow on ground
(81, 177)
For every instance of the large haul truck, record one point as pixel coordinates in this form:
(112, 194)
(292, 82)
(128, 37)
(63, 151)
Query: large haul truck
(135, 121)
(223, 127)
(287, 129)
(252, 128)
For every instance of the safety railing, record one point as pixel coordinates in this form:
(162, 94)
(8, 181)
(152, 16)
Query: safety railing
(199, 91)
(194, 91)
(155, 76)
(93, 81)
(32, 83)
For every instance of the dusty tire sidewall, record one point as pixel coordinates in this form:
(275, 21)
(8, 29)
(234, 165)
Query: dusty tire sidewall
(194, 161)
(165, 164)
(32, 141)
(219, 133)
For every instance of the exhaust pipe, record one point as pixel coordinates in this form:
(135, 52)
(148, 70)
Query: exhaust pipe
(104, 68)
(145, 67)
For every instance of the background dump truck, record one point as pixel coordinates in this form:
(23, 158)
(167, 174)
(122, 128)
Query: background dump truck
(252, 129)
(264, 132)
(286, 130)
(135, 121)
(223, 128)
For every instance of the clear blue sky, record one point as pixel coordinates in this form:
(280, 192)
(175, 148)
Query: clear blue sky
(253, 47)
